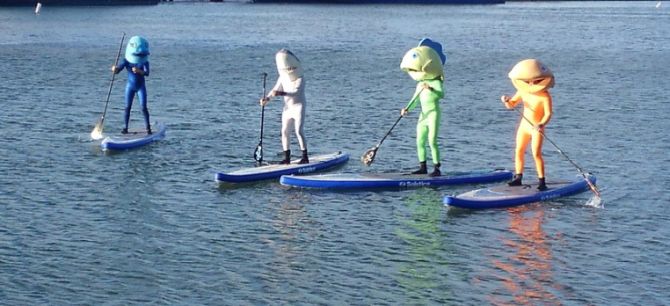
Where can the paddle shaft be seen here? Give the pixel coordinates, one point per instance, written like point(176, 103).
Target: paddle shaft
point(258, 153)
point(369, 155)
point(265, 75)
point(581, 171)
point(396, 122)
point(111, 84)
point(388, 133)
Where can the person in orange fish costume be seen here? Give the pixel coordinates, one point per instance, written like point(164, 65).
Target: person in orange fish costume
point(532, 80)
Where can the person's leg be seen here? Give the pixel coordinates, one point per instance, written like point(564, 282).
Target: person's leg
point(536, 146)
point(142, 94)
point(285, 140)
point(130, 96)
point(300, 132)
point(433, 130)
point(421, 135)
point(522, 140)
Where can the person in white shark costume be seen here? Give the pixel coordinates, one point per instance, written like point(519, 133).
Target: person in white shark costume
point(290, 85)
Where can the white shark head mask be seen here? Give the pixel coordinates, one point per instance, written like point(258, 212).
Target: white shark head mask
point(288, 65)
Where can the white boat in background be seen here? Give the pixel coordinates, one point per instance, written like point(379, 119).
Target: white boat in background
point(658, 5)
point(38, 7)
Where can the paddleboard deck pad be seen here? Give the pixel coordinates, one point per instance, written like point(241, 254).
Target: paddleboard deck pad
point(508, 196)
point(316, 163)
point(393, 180)
point(134, 139)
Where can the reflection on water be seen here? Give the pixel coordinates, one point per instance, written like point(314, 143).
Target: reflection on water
point(419, 275)
point(290, 225)
point(526, 274)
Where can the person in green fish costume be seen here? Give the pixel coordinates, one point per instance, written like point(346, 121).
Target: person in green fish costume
point(425, 65)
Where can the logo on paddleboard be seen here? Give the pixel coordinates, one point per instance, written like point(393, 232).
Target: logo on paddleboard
point(413, 184)
point(549, 197)
point(307, 170)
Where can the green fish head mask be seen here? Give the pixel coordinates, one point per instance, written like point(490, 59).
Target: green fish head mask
point(422, 63)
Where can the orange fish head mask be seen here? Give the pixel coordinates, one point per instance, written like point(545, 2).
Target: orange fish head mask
point(531, 76)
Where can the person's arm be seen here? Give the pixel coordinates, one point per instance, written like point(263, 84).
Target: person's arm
point(548, 111)
point(119, 66)
point(142, 70)
point(298, 86)
point(412, 103)
point(145, 69)
point(436, 87)
point(277, 90)
point(511, 102)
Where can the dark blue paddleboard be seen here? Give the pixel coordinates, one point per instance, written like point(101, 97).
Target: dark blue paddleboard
point(392, 180)
point(133, 139)
point(316, 163)
point(507, 196)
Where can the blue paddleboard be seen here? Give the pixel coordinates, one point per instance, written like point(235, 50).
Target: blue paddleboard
point(133, 139)
point(508, 196)
point(316, 163)
point(392, 180)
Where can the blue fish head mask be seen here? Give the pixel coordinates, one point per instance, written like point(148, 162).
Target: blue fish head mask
point(137, 50)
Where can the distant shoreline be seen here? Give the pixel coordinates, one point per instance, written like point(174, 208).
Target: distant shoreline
point(77, 2)
point(344, 2)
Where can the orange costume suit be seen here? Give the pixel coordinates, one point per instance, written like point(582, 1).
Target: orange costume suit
point(532, 81)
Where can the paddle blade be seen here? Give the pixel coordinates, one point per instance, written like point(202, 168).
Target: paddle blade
point(258, 153)
point(96, 134)
point(594, 189)
point(369, 156)
point(595, 201)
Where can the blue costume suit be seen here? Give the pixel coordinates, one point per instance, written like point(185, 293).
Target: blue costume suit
point(135, 85)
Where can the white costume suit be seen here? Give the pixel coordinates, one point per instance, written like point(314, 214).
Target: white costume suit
point(292, 84)
point(294, 109)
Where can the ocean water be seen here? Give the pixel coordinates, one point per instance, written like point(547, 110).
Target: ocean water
point(150, 226)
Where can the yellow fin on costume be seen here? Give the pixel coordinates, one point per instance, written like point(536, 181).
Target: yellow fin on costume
point(422, 63)
point(531, 76)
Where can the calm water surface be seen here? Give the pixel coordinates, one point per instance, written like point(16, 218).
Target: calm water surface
point(150, 226)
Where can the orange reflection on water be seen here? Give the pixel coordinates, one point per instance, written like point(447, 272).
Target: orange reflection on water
point(527, 271)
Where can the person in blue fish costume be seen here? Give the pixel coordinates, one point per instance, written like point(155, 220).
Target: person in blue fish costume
point(136, 61)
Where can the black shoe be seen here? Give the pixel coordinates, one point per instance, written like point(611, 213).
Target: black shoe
point(436, 171)
point(542, 186)
point(287, 158)
point(422, 168)
point(304, 159)
point(516, 181)
point(149, 131)
point(124, 131)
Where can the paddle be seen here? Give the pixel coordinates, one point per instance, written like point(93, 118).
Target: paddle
point(97, 130)
point(258, 153)
point(369, 155)
point(591, 186)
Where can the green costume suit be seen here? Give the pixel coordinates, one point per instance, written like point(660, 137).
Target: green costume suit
point(429, 120)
